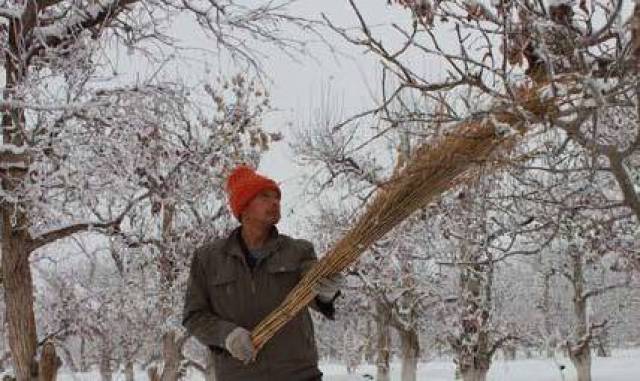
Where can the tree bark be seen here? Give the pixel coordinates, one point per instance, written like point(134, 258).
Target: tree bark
point(171, 346)
point(17, 280)
point(172, 356)
point(383, 317)
point(635, 28)
point(473, 350)
point(472, 374)
point(106, 371)
point(129, 372)
point(410, 354)
point(18, 296)
point(580, 352)
point(582, 361)
point(550, 341)
point(369, 348)
point(49, 363)
point(84, 365)
point(152, 373)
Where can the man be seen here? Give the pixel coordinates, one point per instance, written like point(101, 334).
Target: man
point(237, 281)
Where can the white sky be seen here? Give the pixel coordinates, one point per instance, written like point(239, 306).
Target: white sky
point(349, 77)
point(350, 80)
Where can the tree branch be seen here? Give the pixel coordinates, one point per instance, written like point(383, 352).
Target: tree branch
point(500, 342)
point(65, 30)
point(630, 197)
point(603, 290)
point(58, 234)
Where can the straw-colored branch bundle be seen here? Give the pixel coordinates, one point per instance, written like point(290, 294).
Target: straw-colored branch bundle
point(434, 169)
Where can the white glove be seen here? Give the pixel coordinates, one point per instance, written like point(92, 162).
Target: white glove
point(327, 287)
point(239, 344)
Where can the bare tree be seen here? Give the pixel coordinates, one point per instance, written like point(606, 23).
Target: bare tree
point(503, 58)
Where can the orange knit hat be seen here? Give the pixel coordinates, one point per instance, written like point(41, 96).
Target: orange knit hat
point(243, 185)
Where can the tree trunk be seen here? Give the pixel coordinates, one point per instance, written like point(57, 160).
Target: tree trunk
point(129, 373)
point(544, 307)
point(351, 350)
point(603, 346)
point(68, 358)
point(17, 281)
point(410, 354)
point(172, 356)
point(602, 351)
point(550, 352)
point(582, 362)
point(18, 296)
point(383, 317)
point(210, 372)
point(509, 352)
point(152, 373)
point(635, 22)
point(471, 374)
point(171, 349)
point(473, 349)
point(106, 371)
point(580, 351)
point(84, 366)
point(49, 363)
point(369, 351)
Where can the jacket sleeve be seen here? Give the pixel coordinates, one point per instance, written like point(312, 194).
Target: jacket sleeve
point(327, 309)
point(198, 317)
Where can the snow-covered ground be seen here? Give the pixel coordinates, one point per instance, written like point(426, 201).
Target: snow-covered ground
point(622, 366)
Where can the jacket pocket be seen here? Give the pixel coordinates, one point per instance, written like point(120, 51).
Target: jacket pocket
point(283, 268)
point(222, 279)
point(282, 277)
point(223, 292)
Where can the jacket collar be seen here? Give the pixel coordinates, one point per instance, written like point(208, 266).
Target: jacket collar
point(234, 248)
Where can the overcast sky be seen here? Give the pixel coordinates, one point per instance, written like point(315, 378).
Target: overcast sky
point(349, 78)
point(297, 87)
point(347, 75)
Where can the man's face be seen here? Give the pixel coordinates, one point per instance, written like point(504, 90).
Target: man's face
point(263, 209)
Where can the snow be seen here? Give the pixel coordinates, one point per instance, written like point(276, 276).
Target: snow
point(555, 3)
point(622, 366)
point(10, 13)
point(11, 148)
point(60, 29)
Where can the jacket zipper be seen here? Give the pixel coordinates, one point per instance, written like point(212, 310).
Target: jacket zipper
point(245, 250)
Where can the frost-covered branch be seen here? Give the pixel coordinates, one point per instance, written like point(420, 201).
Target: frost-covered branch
point(10, 13)
point(114, 225)
point(93, 16)
point(630, 196)
point(603, 290)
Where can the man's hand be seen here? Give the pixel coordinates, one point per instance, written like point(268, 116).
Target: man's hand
point(327, 287)
point(239, 344)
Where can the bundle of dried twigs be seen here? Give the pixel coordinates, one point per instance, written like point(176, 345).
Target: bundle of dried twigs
point(435, 168)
